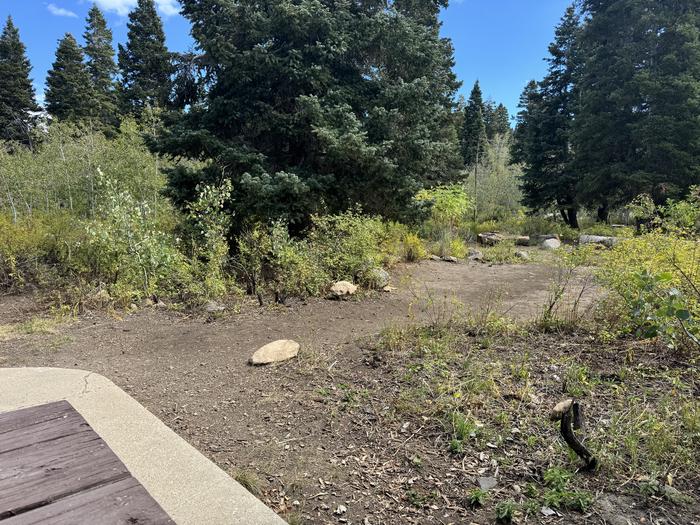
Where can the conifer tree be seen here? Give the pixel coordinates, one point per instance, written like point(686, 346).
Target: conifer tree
point(144, 62)
point(496, 120)
point(16, 90)
point(638, 124)
point(549, 178)
point(473, 133)
point(99, 55)
point(68, 87)
point(316, 106)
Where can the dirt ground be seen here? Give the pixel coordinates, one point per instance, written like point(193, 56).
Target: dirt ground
point(294, 433)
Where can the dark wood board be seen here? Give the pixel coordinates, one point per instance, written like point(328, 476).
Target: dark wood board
point(54, 469)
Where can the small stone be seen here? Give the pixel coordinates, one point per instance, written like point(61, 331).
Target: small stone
point(342, 509)
point(275, 352)
point(449, 258)
point(522, 255)
point(434, 258)
point(389, 289)
point(487, 483)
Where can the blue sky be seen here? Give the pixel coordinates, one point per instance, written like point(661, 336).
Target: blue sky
point(500, 42)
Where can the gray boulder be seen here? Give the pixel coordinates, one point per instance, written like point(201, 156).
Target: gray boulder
point(602, 240)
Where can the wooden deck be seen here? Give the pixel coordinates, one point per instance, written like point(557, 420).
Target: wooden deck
point(54, 469)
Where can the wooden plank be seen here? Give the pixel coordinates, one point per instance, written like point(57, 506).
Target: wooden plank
point(33, 415)
point(55, 469)
point(35, 475)
point(42, 430)
point(122, 502)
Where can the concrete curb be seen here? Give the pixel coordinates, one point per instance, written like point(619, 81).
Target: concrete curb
point(189, 487)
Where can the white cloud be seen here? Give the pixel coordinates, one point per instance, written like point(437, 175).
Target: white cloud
point(122, 7)
point(59, 11)
point(168, 7)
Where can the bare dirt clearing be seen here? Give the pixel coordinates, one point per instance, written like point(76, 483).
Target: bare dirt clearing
point(317, 436)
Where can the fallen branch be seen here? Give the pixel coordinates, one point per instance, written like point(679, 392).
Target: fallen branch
point(569, 413)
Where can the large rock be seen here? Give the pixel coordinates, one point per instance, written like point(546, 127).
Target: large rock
point(343, 289)
point(475, 255)
point(551, 244)
point(606, 241)
point(275, 352)
point(490, 238)
point(378, 277)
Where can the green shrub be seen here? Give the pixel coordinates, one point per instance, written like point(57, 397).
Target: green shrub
point(210, 246)
point(348, 245)
point(658, 278)
point(126, 248)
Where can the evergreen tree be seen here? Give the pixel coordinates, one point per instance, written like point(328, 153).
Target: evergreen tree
point(473, 133)
point(68, 86)
point(496, 120)
point(317, 105)
point(638, 124)
point(100, 64)
point(144, 62)
point(16, 90)
point(549, 178)
point(526, 134)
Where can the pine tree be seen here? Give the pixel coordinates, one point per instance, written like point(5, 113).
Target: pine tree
point(68, 87)
point(316, 106)
point(549, 179)
point(496, 120)
point(99, 55)
point(16, 90)
point(144, 62)
point(638, 124)
point(473, 133)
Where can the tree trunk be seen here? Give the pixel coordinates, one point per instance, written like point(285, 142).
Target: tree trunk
point(573, 218)
point(603, 213)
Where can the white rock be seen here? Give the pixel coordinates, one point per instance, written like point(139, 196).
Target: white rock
point(343, 289)
point(608, 242)
point(551, 244)
point(275, 352)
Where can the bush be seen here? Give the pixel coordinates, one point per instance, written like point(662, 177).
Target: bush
point(210, 224)
point(126, 248)
point(349, 245)
point(658, 278)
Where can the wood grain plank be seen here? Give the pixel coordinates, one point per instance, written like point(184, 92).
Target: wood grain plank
point(32, 415)
point(55, 469)
point(35, 475)
point(42, 430)
point(122, 502)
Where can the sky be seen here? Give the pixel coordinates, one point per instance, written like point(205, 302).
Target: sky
point(501, 43)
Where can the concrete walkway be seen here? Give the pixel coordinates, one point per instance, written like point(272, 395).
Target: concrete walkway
point(189, 487)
